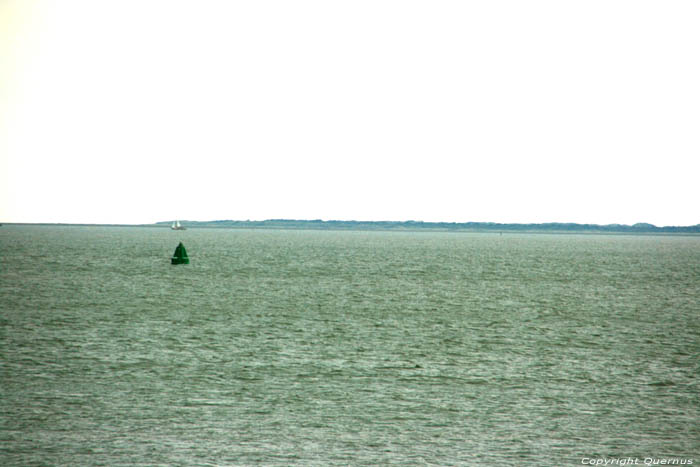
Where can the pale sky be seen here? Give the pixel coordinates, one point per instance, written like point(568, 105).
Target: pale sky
point(137, 111)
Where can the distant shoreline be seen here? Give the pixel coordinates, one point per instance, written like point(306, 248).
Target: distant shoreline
point(409, 226)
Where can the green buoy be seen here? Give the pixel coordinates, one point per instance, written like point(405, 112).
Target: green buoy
point(180, 255)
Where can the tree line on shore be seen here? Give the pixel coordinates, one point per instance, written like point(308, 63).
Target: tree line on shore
point(318, 224)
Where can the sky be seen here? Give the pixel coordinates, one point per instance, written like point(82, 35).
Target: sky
point(138, 111)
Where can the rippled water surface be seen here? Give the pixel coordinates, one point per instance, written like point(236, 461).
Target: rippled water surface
point(346, 348)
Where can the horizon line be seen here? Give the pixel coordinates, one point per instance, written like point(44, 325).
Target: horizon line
point(384, 221)
point(319, 220)
point(282, 219)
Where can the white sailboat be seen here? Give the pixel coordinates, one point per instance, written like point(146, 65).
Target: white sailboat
point(176, 226)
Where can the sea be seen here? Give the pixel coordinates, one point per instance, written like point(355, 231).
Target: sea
point(367, 348)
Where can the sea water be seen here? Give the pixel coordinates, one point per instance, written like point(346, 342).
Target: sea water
point(346, 348)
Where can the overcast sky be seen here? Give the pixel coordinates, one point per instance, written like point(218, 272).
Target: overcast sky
point(503, 111)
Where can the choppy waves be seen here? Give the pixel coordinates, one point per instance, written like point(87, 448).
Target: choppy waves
point(346, 348)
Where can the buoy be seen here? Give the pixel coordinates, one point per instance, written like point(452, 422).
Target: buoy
point(180, 255)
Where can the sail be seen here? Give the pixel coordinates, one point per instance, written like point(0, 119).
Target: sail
point(180, 255)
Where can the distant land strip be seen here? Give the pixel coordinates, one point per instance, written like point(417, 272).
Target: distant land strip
point(318, 224)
